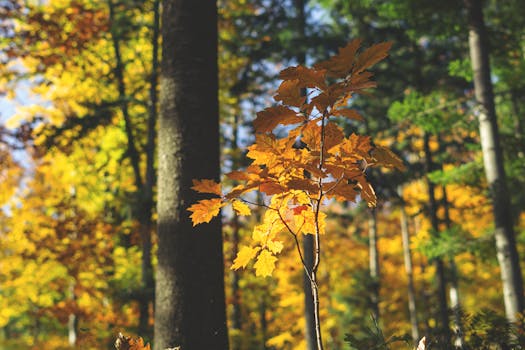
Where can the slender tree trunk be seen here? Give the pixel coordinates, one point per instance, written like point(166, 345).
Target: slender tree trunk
point(493, 161)
point(454, 285)
point(189, 304)
point(373, 263)
point(444, 330)
point(405, 234)
point(144, 210)
point(308, 240)
point(518, 122)
point(235, 274)
point(72, 322)
point(145, 217)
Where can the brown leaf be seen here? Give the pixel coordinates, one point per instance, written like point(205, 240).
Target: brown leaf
point(289, 92)
point(371, 56)
point(307, 77)
point(269, 118)
point(348, 113)
point(384, 156)
point(340, 65)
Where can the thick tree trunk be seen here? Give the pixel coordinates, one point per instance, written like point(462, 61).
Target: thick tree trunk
point(493, 161)
point(373, 264)
point(405, 234)
point(189, 304)
point(444, 330)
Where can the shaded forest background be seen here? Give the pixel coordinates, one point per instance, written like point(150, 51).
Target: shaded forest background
point(78, 143)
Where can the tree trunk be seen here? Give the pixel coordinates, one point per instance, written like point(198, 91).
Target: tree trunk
point(189, 304)
point(454, 285)
point(493, 161)
point(373, 264)
point(144, 195)
point(308, 240)
point(444, 331)
point(412, 307)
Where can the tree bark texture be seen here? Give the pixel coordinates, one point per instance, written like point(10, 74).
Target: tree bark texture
point(507, 253)
point(189, 304)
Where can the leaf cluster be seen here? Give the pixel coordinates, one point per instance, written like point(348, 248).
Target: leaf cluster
point(312, 162)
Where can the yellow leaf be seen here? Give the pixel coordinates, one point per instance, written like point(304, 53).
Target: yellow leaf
point(207, 186)
point(241, 208)
point(274, 246)
point(205, 210)
point(244, 256)
point(265, 264)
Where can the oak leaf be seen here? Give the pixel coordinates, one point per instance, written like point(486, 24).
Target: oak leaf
point(371, 56)
point(307, 77)
point(348, 113)
point(269, 118)
point(207, 186)
point(384, 156)
point(205, 210)
point(340, 65)
point(289, 93)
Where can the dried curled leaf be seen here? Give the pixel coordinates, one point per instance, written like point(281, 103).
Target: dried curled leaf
point(128, 343)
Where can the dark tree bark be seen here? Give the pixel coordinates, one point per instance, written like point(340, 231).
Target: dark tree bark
point(507, 253)
point(444, 330)
point(189, 291)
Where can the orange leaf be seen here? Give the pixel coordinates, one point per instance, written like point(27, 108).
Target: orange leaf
point(348, 113)
point(340, 65)
point(333, 135)
point(387, 158)
point(307, 77)
point(270, 188)
point(371, 56)
point(207, 186)
point(289, 92)
point(269, 118)
point(205, 210)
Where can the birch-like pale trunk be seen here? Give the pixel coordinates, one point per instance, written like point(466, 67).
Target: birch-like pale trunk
point(405, 234)
point(373, 255)
point(507, 252)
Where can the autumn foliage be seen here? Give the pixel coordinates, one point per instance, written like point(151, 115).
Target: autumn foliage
point(301, 157)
